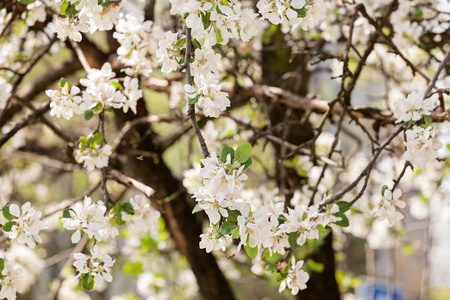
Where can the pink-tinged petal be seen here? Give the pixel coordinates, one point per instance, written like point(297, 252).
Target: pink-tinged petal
point(76, 236)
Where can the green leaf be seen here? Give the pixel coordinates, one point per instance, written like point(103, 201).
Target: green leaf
point(272, 267)
point(302, 173)
point(98, 137)
point(64, 6)
point(219, 38)
point(344, 222)
point(281, 276)
point(63, 82)
point(383, 189)
point(66, 214)
point(132, 268)
point(88, 114)
point(226, 228)
point(206, 20)
point(8, 226)
point(251, 252)
point(293, 236)
point(193, 100)
point(343, 206)
point(224, 153)
point(301, 12)
point(128, 208)
point(428, 120)
point(117, 85)
point(88, 281)
point(71, 11)
point(180, 42)
point(90, 141)
point(5, 211)
point(197, 208)
point(2, 265)
point(248, 163)
point(232, 215)
point(242, 153)
point(196, 44)
point(417, 13)
point(235, 233)
point(281, 219)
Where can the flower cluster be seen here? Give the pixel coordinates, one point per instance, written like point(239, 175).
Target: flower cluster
point(102, 92)
point(292, 13)
point(10, 280)
point(216, 22)
point(144, 218)
point(138, 41)
point(23, 224)
point(84, 16)
point(267, 227)
point(421, 145)
point(207, 93)
point(93, 266)
point(386, 207)
point(296, 278)
point(86, 217)
point(414, 107)
point(221, 185)
point(65, 101)
point(93, 158)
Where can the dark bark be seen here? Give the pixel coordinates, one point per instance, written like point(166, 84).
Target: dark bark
point(175, 205)
point(322, 286)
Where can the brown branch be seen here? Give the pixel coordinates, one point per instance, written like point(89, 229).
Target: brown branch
point(191, 108)
point(30, 119)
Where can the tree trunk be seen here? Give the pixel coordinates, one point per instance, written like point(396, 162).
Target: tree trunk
point(322, 286)
point(175, 205)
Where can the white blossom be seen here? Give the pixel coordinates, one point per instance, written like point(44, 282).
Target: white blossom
point(296, 278)
point(414, 107)
point(210, 97)
point(27, 224)
point(86, 217)
point(421, 145)
point(10, 281)
point(96, 264)
point(94, 158)
point(386, 207)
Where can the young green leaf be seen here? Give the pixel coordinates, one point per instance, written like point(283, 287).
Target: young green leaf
point(226, 228)
point(235, 233)
point(7, 226)
point(66, 214)
point(251, 252)
point(98, 137)
point(180, 42)
point(197, 208)
point(242, 153)
point(88, 114)
point(87, 281)
point(293, 236)
point(128, 208)
point(2, 265)
point(117, 85)
point(343, 206)
point(248, 163)
point(5, 211)
point(344, 222)
point(224, 153)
